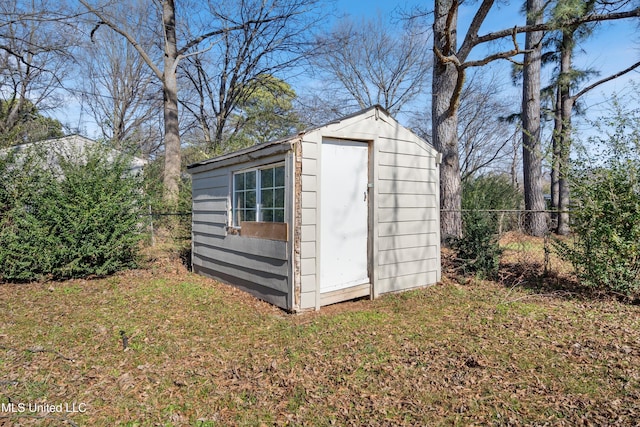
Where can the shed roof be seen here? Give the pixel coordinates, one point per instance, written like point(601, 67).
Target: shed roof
point(273, 147)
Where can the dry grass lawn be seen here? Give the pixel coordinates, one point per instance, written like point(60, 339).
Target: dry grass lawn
point(524, 350)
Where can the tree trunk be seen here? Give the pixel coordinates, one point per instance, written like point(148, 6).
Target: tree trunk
point(564, 142)
point(535, 220)
point(171, 126)
point(555, 156)
point(445, 118)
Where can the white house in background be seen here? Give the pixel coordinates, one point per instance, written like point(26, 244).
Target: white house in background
point(70, 146)
point(345, 210)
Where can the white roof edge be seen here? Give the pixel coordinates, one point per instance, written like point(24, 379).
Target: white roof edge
point(64, 139)
point(227, 158)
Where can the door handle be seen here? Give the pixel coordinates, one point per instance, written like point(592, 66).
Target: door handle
point(365, 195)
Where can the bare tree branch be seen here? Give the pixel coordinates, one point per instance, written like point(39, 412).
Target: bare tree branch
point(604, 80)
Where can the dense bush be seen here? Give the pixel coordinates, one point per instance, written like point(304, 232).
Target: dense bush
point(75, 216)
point(478, 250)
point(605, 218)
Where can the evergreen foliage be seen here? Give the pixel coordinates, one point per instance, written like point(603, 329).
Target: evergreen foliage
point(267, 113)
point(605, 251)
point(26, 124)
point(478, 250)
point(77, 216)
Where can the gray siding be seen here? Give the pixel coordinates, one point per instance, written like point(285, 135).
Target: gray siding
point(404, 234)
point(408, 237)
point(258, 266)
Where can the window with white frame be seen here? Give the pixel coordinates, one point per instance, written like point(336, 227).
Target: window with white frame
point(258, 195)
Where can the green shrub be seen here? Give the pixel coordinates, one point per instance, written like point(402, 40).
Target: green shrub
point(605, 251)
point(478, 250)
point(78, 216)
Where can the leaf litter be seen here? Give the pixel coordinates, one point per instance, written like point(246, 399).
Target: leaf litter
point(202, 353)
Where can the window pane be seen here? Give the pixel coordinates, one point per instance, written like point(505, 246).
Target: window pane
point(279, 198)
point(250, 180)
point(266, 176)
point(279, 179)
point(278, 215)
point(239, 199)
point(267, 198)
point(250, 199)
point(267, 215)
point(239, 181)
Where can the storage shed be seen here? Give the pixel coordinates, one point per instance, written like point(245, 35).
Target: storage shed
point(345, 210)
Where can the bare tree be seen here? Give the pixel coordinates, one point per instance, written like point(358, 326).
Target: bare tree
point(34, 55)
point(220, 79)
point(185, 34)
point(535, 223)
point(369, 62)
point(486, 140)
point(487, 135)
point(451, 62)
point(120, 89)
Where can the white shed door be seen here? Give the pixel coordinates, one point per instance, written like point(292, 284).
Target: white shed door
point(343, 215)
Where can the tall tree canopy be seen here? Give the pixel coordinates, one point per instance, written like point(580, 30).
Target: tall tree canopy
point(367, 62)
point(183, 30)
point(451, 62)
point(35, 57)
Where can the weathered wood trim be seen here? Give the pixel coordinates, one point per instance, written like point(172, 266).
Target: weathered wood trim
point(265, 230)
point(346, 294)
point(318, 206)
point(293, 168)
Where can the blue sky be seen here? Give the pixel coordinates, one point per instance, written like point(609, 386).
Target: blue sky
point(614, 46)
